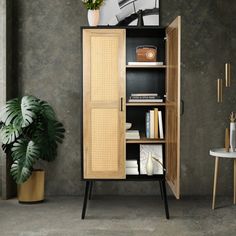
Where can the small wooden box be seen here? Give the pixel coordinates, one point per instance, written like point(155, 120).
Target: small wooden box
point(146, 53)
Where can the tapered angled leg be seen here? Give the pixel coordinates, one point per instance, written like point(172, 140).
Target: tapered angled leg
point(163, 182)
point(215, 181)
point(234, 181)
point(90, 190)
point(161, 190)
point(85, 199)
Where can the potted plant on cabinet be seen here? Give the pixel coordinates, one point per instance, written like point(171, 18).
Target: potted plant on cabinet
point(29, 131)
point(93, 11)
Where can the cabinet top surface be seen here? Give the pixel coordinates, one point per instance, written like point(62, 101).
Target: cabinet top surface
point(124, 27)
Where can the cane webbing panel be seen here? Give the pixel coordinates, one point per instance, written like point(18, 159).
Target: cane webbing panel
point(104, 148)
point(103, 88)
point(104, 68)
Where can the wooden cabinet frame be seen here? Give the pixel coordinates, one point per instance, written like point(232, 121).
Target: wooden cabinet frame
point(172, 104)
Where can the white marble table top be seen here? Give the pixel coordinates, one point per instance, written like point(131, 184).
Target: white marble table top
point(220, 152)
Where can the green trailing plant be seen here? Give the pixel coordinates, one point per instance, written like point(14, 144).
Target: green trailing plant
point(92, 4)
point(29, 131)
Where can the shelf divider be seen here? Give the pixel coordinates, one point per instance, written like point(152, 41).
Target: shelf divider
point(147, 66)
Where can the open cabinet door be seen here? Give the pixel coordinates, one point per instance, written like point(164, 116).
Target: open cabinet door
point(173, 33)
point(104, 103)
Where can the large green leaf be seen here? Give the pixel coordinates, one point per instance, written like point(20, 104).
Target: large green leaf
point(47, 135)
point(24, 153)
point(20, 113)
point(47, 111)
point(10, 133)
point(19, 172)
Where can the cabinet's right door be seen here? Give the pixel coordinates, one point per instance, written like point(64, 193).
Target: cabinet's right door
point(173, 34)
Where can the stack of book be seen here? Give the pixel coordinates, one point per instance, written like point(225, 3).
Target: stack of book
point(132, 134)
point(154, 124)
point(132, 167)
point(145, 97)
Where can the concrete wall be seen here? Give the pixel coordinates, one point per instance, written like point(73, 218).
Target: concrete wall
point(2, 69)
point(48, 65)
point(8, 90)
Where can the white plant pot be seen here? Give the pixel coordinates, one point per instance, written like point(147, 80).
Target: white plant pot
point(232, 136)
point(93, 17)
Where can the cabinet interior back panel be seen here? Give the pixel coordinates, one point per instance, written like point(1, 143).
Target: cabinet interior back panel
point(145, 81)
point(147, 37)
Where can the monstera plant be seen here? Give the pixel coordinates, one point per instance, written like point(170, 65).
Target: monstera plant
point(29, 131)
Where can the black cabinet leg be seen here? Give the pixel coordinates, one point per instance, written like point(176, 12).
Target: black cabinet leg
point(165, 198)
point(90, 190)
point(161, 189)
point(85, 199)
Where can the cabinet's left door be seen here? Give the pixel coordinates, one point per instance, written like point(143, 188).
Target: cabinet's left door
point(104, 103)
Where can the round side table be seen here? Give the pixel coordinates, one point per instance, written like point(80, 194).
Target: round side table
point(221, 153)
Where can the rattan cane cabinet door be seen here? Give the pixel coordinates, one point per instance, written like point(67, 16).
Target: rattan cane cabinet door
point(173, 107)
point(103, 103)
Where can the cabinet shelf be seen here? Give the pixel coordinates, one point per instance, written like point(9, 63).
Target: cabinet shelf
point(136, 104)
point(147, 66)
point(145, 140)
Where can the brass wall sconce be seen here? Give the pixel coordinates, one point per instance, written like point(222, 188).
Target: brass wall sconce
point(227, 74)
point(227, 82)
point(219, 90)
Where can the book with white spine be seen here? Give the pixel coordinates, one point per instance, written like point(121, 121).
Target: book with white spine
point(160, 124)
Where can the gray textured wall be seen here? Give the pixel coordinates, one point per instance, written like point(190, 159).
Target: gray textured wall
point(48, 65)
point(8, 89)
point(2, 69)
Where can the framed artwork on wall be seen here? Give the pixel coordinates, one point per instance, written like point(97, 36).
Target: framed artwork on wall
point(125, 12)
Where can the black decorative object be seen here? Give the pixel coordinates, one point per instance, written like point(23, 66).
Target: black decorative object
point(148, 12)
point(140, 19)
point(127, 12)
